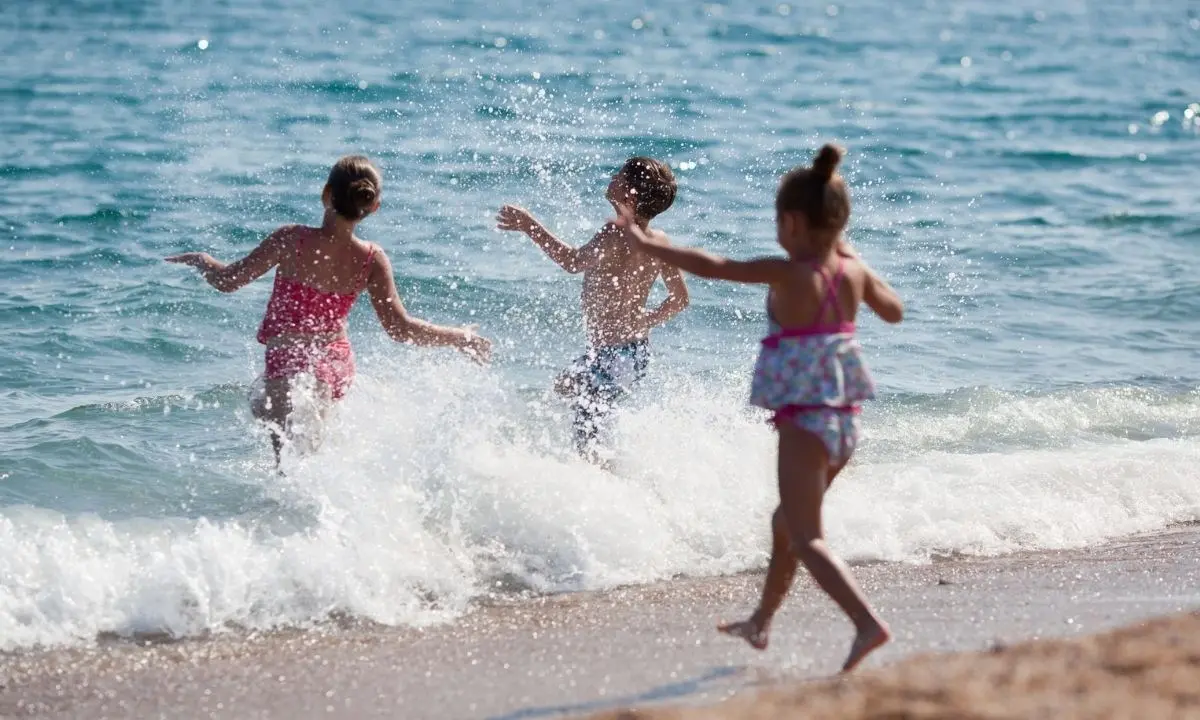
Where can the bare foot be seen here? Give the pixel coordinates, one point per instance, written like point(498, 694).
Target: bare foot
point(747, 630)
point(865, 642)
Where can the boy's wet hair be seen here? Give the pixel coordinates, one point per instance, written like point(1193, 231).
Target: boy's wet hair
point(818, 192)
point(354, 185)
point(654, 184)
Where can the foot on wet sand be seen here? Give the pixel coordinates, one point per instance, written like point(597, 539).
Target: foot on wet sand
point(867, 640)
point(747, 630)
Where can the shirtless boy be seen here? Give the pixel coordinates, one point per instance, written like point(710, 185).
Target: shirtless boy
point(617, 279)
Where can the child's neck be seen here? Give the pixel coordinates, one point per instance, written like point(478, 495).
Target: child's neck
point(816, 249)
point(336, 227)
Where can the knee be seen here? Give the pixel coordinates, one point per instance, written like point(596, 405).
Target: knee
point(260, 407)
point(779, 522)
point(271, 408)
point(807, 548)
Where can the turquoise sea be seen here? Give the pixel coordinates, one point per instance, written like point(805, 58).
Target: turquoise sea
point(1024, 173)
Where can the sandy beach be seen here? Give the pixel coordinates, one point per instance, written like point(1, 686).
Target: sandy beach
point(1147, 670)
point(640, 647)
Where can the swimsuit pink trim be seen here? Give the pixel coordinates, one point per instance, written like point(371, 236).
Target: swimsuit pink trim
point(845, 328)
point(788, 412)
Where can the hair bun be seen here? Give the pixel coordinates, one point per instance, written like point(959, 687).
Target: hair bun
point(363, 191)
point(826, 162)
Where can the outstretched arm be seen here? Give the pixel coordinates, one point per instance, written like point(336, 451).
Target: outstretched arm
point(877, 294)
point(405, 328)
point(677, 298)
point(573, 260)
point(228, 278)
point(699, 262)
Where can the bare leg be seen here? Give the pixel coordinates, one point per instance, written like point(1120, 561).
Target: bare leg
point(324, 405)
point(781, 571)
point(274, 408)
point(803, 478)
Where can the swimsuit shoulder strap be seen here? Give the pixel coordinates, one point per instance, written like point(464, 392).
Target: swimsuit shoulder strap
point(366, 269)
point(831, 289)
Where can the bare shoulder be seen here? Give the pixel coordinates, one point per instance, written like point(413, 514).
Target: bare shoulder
point(610, 231)
point(285, 236)
point(659, 236)
point(292, 231)
point(377, 257)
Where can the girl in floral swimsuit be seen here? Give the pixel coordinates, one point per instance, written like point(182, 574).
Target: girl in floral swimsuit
point(811, 374)
point(320, 272)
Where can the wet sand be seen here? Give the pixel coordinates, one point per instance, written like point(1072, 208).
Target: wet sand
point(590, 652)
point(1148, 670)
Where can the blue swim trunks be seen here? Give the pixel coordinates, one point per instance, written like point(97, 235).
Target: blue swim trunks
point(598, 380)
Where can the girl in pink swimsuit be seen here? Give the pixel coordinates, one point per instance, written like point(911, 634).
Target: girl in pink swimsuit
point(810, 373)
point(319, 273)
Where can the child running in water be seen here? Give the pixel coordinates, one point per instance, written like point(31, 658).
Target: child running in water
point(617, 279)
point(811, 373)
point(319, 273)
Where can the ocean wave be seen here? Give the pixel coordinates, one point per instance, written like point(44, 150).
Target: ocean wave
point(437, 482)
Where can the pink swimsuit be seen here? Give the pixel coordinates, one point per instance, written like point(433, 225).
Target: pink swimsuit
point(814, 376)
point(296, 309)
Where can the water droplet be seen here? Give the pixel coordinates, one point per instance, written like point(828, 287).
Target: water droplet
point(203, 44)
point(68, 55)
point(362, 84)
point(1133, 128)
point(965, 61)
point(1006, 56)
point(945, 35)
point(599, 34)
point(1039, 15)
point(637, 23)
point(500, 42)
point(784, 9)
point(1142, 157)
point(1195, 23)
point(831, 11)
point(537, 75)
point(1160, 118)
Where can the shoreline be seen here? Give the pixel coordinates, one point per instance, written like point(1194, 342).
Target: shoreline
point(581, 653)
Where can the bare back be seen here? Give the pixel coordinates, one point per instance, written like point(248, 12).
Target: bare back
point(615, 290)
point(797, 300)
point(325, 264)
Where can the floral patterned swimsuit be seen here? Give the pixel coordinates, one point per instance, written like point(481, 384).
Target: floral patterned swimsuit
point(814, 376)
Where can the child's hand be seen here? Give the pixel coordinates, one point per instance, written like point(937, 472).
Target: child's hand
point(512, 217)
point(197, 260)
point(626, 219)
point(476, 347)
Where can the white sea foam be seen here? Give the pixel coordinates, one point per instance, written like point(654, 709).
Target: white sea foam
point(437, 483)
